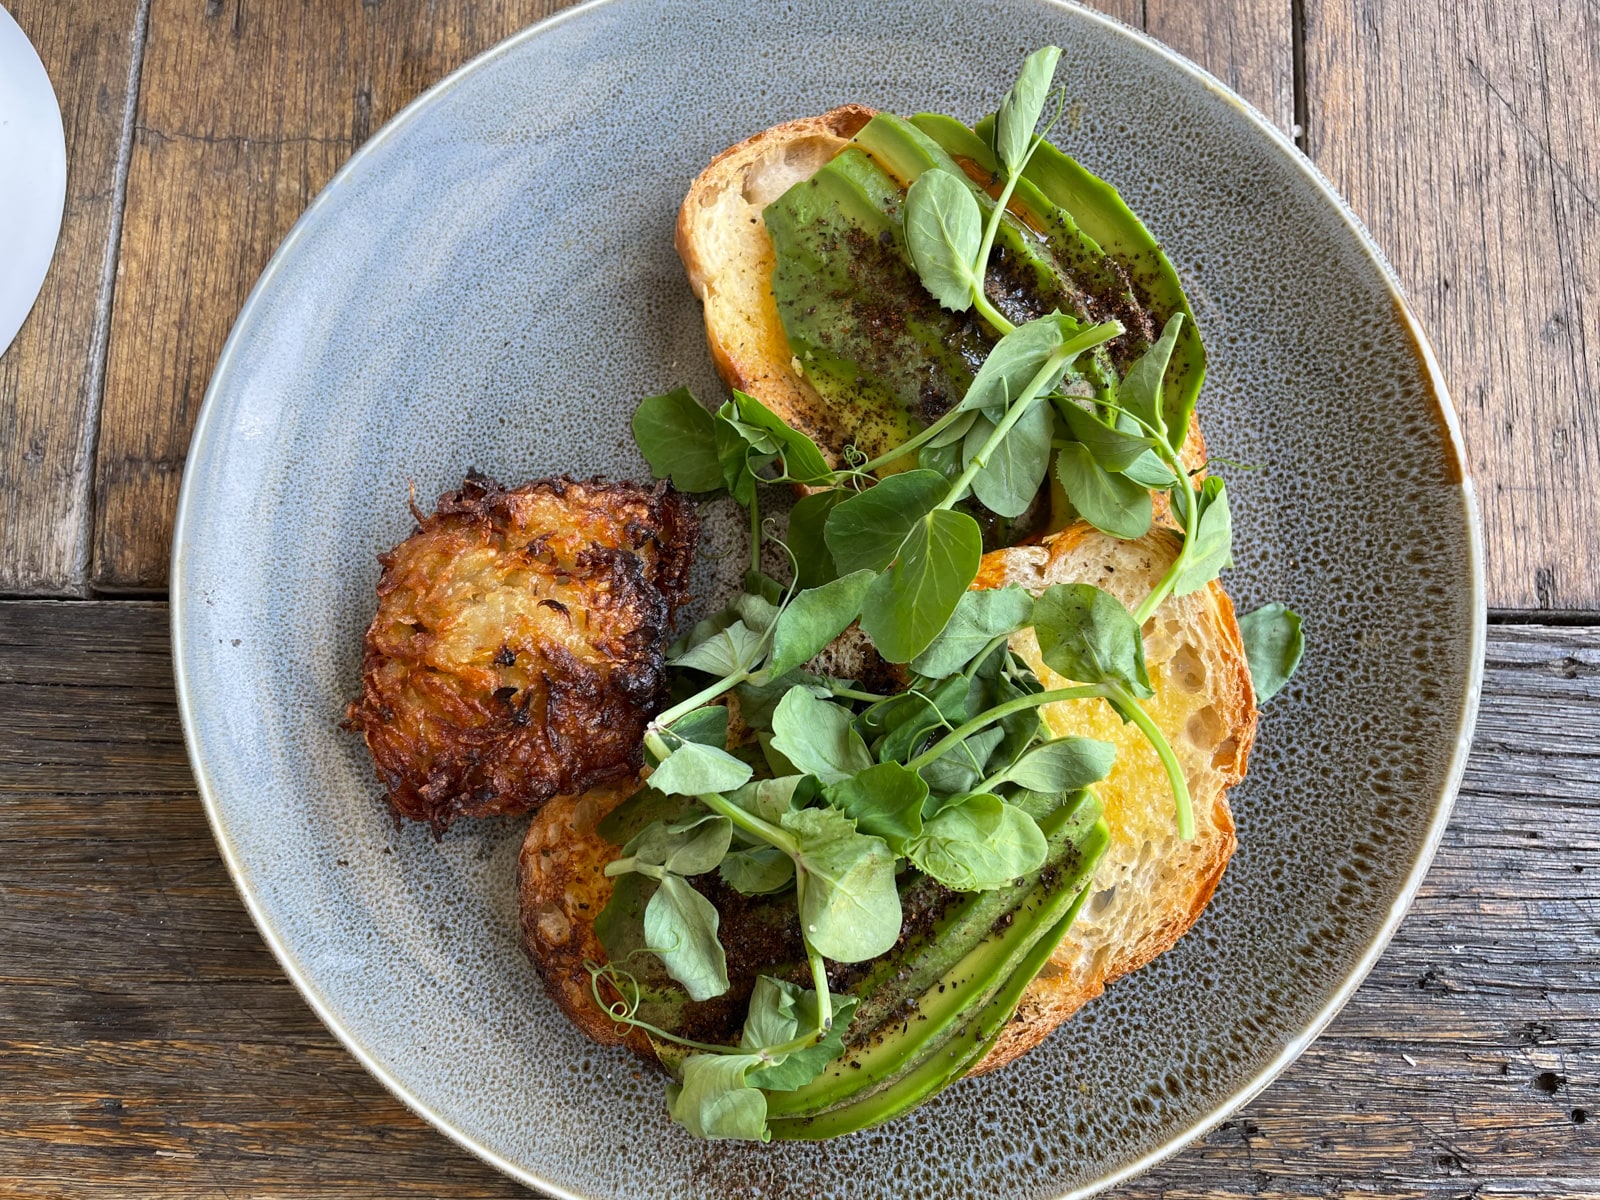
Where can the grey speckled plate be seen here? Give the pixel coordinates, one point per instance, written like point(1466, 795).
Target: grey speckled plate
point(490, 282)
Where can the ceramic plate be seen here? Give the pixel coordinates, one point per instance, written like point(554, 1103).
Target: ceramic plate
point(491, 283)
point(33, 181)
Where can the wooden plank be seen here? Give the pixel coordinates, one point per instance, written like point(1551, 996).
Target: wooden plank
point(1248, 44)
point(1129, 12)
point(150, 1046)
point(1463, 134)
point(246, 111)
point(50, 377)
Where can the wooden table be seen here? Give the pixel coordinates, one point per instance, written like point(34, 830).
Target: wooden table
point(148, 1043)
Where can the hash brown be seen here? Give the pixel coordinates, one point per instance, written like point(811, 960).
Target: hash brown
point(519, 645)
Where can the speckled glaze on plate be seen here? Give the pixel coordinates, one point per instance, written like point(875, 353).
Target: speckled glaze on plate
point(490, 282)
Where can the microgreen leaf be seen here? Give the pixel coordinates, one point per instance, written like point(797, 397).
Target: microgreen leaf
point(1013, 362)
point(1113, 449)
point(1020, 110)
point(1210, 547)
point(1273, 644)
point(734, 453)
point(768, 799)
point(765, 586)
point(800, 1067)
point(802, 461)
point(864, 533)
point(759, 871)
point(757, 700)
point(681, 926)
point(850, 910)
point(908, 606)
point(1113, 504)
point(960, 770)
point(708, 726)
point(1140, 390)
point(726, 652)
point(980, 616)
point(953, 432)
point(703, 845)
point(693, 770)
point(678, 438)
point(770, 1020)
point(945, 459)
point(756, 611)
point(702, 630)
point(1149, 471)
point(807, 519)
point(715, 1101)
point(1088, 636)
point(794, 1009)
point(818, 737)
point(1023, 728)
point(1010, 480)
point(906, 724)
point(1065, 765)
point(775, 757)
point(944, 229)
point(814, 618)
point(951, 697)
point(885, 800)
point(659, 841)
point(978, 844)
point(759, 441)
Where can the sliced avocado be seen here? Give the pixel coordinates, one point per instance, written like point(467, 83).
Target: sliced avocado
point(874, 344)
point(940, 1063)
point(902, 976)
point(946, 1005)
point(1025, 279)
point(876, 347)
point(1101, 214)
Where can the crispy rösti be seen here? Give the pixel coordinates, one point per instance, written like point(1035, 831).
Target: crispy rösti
point(519, 644)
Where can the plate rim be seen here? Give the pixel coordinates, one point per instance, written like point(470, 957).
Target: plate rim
point(1443, 805)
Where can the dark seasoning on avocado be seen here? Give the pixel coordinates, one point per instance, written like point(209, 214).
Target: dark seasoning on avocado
point(829, 915)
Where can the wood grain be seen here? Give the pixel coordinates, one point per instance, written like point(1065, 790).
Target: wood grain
point(50, 377)
point(149, 1044)
point(1463, 133)
point(245, 112)
point(1248, 45)
point(1129, 12)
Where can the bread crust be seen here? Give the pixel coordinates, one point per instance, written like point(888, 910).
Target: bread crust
point(561, 888)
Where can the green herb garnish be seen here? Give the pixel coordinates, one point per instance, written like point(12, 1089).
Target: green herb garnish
point(955, 782)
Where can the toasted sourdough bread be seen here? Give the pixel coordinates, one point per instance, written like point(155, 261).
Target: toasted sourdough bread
point(1149, 887)
point(723, 242)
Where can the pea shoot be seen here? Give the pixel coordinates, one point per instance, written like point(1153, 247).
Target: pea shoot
point(827, 795)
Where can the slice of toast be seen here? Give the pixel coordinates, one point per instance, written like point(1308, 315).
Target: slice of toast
point(723, 242)
point(1149, 887)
